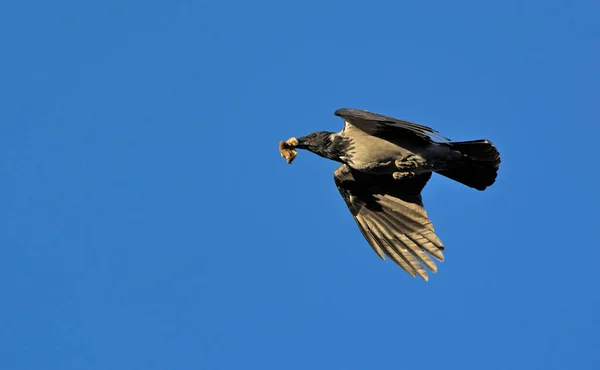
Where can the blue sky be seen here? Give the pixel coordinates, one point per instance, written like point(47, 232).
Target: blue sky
point(148, 221)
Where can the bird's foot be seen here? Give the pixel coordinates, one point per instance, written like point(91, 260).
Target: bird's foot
point(403, 175)
point(408, 163)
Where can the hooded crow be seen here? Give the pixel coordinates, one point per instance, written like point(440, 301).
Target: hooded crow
point(386, 163)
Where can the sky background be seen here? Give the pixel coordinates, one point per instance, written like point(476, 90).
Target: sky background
point(147, 220)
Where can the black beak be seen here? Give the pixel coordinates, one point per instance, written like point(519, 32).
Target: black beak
point(303, 143)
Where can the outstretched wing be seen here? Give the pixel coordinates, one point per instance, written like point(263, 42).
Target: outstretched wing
point(383, 126)
point(390, 215)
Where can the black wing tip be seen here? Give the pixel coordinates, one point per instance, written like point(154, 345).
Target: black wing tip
point(346, 111)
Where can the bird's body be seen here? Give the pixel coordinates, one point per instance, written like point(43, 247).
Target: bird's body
point(386, 162)
point(371, 153)
point(376, 155)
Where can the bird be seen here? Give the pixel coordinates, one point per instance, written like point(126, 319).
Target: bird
point(385, 165)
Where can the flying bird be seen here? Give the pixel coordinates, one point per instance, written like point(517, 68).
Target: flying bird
point(386, 163)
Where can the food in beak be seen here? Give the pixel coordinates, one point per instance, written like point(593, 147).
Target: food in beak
point(286, 148)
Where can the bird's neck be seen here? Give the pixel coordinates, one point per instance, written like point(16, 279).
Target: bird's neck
point(335, 147)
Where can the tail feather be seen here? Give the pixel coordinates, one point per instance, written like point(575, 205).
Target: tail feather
point(479, 166)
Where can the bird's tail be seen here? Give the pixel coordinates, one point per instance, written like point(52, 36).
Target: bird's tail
point(479, 165)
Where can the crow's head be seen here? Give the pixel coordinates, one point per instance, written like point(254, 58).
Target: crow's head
point(317, 142)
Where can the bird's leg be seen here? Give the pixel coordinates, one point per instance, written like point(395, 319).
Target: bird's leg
point(412, 165)
point(409, 163)
point(408, 167)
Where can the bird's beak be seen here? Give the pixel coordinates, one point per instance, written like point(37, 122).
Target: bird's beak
point(302, 143)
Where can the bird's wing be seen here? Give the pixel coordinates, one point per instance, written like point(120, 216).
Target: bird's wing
point(390, 215)
point(379, 125)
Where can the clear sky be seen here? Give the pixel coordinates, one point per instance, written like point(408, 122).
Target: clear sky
point(147, 220)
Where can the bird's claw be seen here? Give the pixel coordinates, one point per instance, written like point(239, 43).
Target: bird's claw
point(410, 162)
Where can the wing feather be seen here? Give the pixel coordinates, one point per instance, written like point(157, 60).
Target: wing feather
point(391, 217)
point(414, 263)
point(432, 248)
point(399, 259)
point(364, 229)
point(384, 236)
point(397, 233)
point(372, 123)
point(418, 252)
